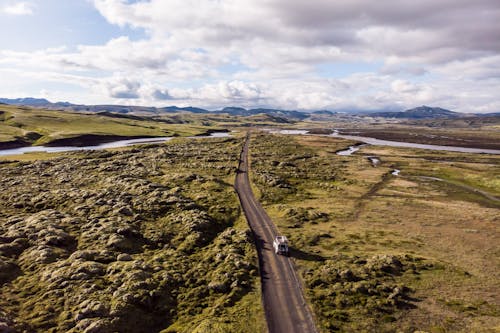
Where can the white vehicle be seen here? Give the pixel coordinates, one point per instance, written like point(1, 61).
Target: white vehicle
point(280, 245)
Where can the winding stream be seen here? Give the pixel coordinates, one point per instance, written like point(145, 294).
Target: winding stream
point(108, 145)
point(395, 172)
point(349, 151)
point(374, 160)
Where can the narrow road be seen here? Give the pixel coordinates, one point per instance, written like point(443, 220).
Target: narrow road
point(284, 304)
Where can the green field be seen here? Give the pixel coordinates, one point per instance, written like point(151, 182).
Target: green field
point(386, 253)
point(38, 127)
point(30, 126)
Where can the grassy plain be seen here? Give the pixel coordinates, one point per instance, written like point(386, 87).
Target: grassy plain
point(387, 253)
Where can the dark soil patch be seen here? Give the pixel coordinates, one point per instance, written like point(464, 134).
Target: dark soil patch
point(13, 144)
point(90, 140)
point(430, 138)
point(322, 131)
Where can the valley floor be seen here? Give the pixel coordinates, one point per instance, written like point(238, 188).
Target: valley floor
point(152, 238)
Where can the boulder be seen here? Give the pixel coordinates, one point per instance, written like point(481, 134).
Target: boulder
point(126, 211)
point(91, 309)
point(8, 270)
point(120, 243)
point(124, 257)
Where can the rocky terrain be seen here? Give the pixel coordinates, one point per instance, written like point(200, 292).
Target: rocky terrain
point(138, 240)
point(344, 288)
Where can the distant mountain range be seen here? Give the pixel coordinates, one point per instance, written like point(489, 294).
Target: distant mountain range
point(234, 111)
point(237, 111)
point(28, 101)
point(421, 112)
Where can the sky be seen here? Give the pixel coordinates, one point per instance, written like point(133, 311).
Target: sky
point(289, 54)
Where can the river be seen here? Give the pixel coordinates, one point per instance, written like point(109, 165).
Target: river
point(108, 145)
point(378, 142)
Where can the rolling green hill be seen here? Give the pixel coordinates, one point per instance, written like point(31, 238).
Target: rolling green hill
point(21, 126)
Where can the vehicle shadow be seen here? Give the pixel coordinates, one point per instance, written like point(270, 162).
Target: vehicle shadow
point(298, 254)
point(260, 246)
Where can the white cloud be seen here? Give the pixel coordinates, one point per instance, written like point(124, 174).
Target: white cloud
point(123, 88)
point(404, 87)
point(18, 8)
point(395, 27)
point(270, 53)
point(484, 68)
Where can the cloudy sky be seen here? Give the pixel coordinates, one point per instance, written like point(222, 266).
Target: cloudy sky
point(291, 54)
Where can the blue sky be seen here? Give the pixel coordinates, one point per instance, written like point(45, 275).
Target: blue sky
point(291, 54)
point(54, 23)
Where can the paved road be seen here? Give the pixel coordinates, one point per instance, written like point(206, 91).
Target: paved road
point(284, 305)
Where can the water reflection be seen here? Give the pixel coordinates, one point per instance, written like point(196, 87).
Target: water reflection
point(108, 145)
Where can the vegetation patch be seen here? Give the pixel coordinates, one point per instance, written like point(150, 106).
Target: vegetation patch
point(142, 239)
point(380, 252)
point(355, 293)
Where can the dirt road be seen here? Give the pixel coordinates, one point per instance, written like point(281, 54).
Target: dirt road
point(284, 305)
point(462, 186)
